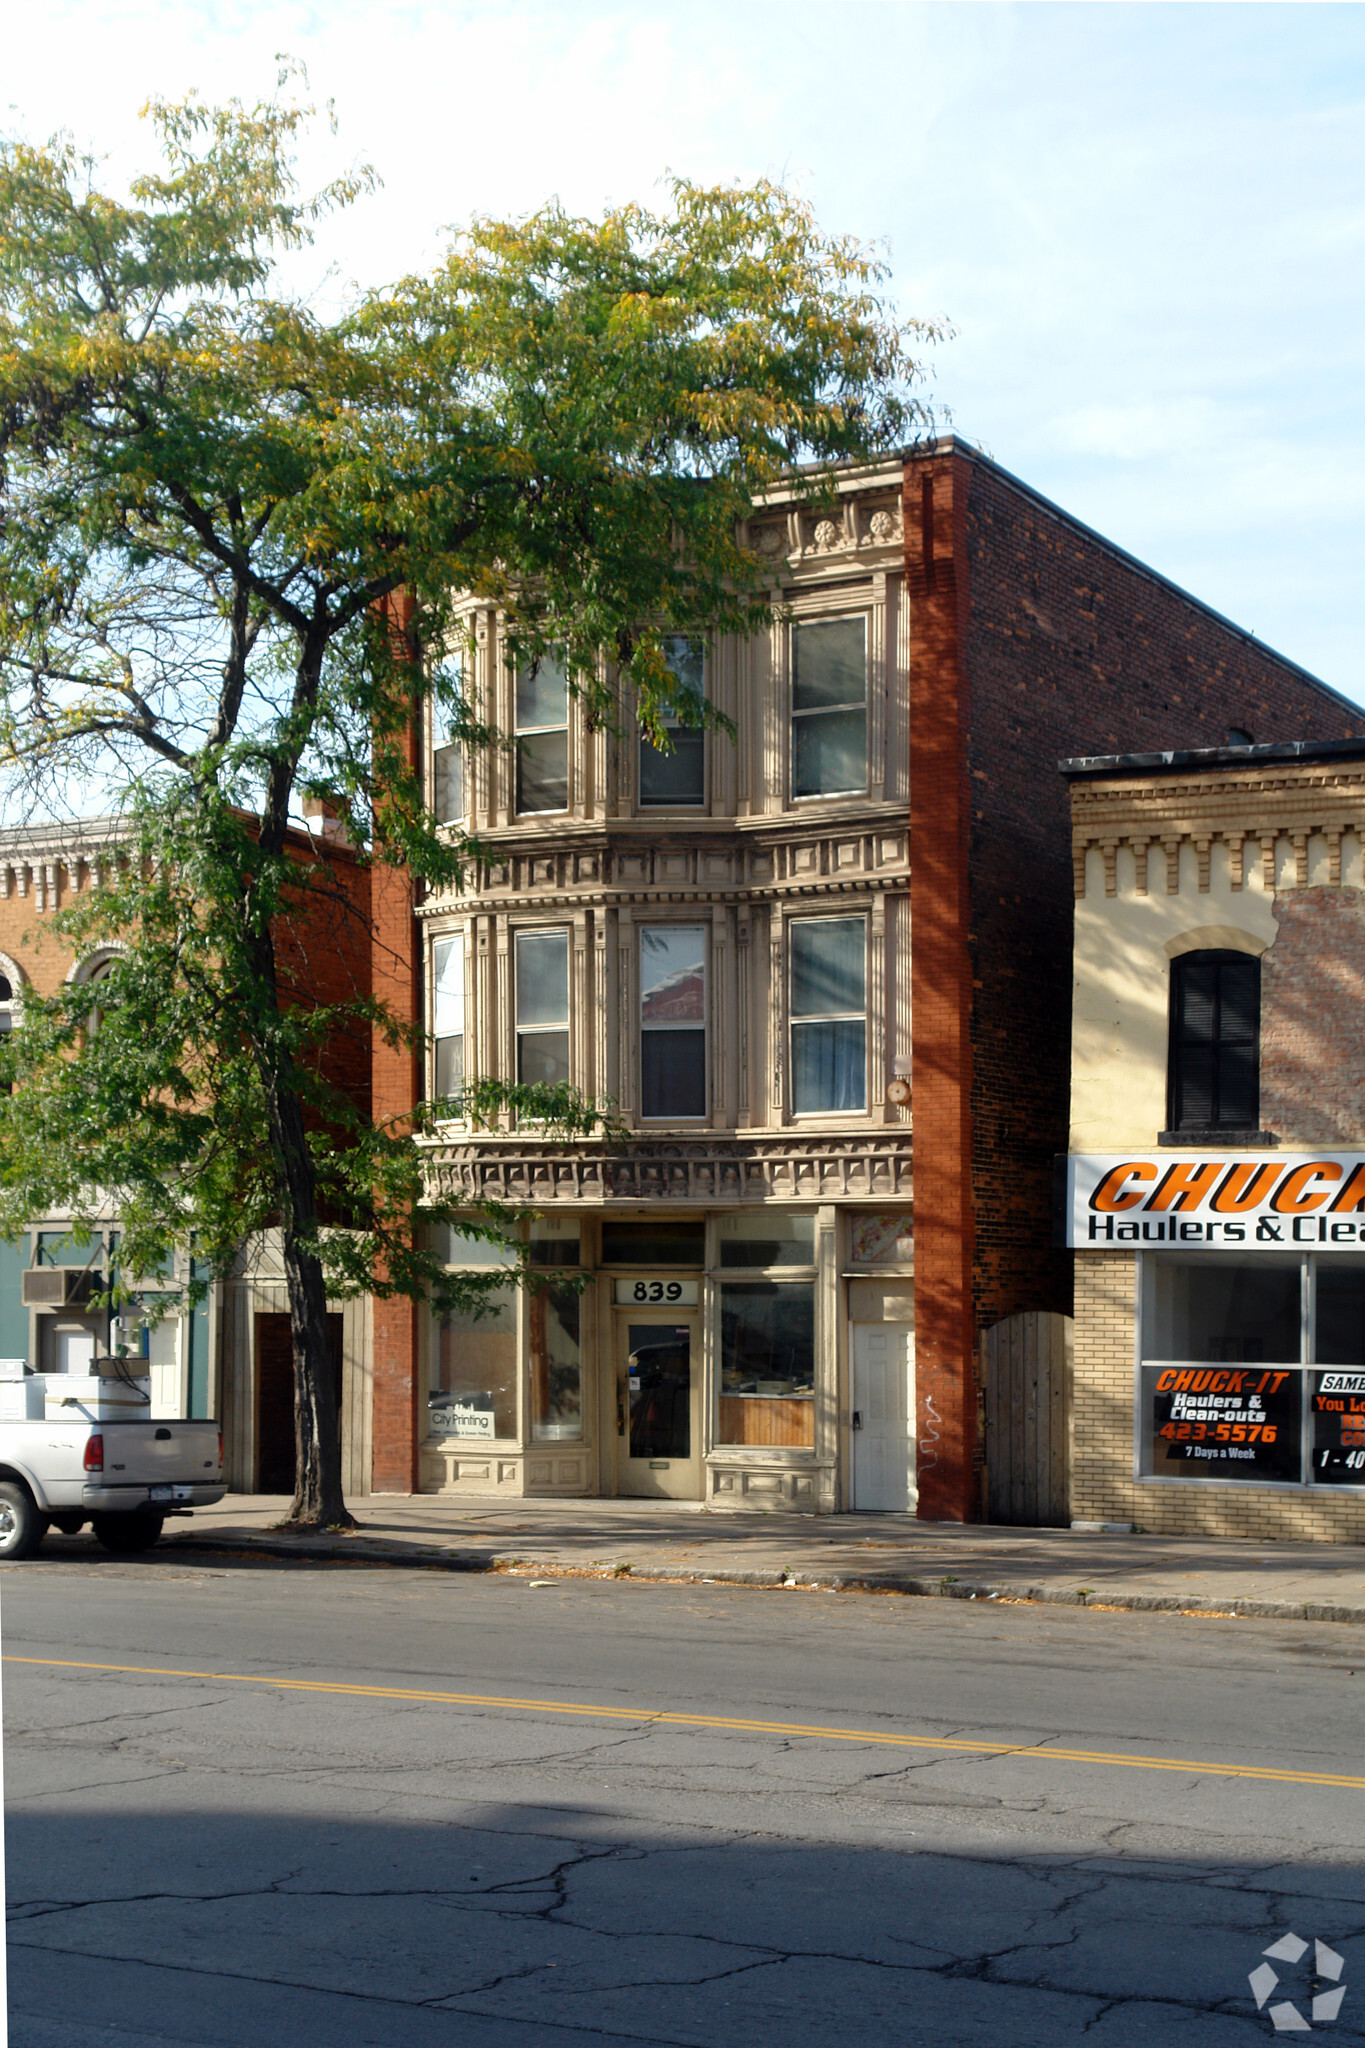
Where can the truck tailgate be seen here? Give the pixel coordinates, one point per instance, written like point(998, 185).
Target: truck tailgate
point(159, 1453)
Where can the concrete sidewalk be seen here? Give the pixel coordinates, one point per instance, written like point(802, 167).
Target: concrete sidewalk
point(669, 1540)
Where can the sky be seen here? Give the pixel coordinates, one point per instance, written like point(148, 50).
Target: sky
point(1146, 223)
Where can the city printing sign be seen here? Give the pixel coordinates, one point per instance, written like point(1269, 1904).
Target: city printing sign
point(1258, 1200)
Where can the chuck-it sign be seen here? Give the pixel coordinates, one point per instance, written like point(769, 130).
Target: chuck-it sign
point(1258, 1200)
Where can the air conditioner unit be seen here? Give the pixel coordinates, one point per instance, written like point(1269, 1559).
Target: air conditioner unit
point(59, 1286)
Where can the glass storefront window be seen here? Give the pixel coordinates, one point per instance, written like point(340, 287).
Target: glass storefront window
point(556, 1362)
point(554, 1241)
point(1256, 1372)
point(766, 1239)
point(655, 1243)
point(1245, 1313)
point(458, 1250)
point(474, 1388)
point(767, 1363)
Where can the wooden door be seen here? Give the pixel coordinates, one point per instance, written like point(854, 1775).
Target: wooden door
point(275, 1471)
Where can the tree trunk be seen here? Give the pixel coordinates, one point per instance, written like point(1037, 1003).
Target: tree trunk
point(318, 1500)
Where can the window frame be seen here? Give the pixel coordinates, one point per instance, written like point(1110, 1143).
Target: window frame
point(675, 925)
point(698, 805)
point(1178, 1047)
point(520, 1031)
point(795, 715)
point(521, 732)
point(458, 940)
point(794, 1023)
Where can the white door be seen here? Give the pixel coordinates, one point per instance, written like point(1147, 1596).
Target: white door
point(163, 1363)
point(884, 1416)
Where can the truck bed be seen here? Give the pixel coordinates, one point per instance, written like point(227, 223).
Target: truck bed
point(108, 1467)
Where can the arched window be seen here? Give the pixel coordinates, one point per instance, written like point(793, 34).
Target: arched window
point(89, 975)
point(11, 995)
point(1214, 1066)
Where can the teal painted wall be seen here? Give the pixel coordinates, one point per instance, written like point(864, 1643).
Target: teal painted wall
point(197, 1378)
point(13, 1314)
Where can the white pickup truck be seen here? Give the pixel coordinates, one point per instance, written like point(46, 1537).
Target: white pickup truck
point(69, 1462)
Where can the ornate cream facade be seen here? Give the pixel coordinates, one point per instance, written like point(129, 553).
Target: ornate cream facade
point(730, 876)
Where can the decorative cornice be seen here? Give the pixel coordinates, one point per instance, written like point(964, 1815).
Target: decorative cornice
point(1250, 811)
point(838, 861)
point(518, 1170)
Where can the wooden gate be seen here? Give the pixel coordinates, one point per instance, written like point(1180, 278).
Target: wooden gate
point(1026, 1380)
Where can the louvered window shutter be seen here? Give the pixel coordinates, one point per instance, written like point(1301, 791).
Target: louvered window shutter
point(1215, 1042)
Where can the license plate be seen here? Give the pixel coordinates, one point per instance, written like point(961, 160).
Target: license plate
point(169, 1492)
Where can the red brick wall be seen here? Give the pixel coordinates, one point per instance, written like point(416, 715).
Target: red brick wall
point(398, 1085)
point(1063, 647)
point(1313, 1020)
point(322, 953)
point(934, 515)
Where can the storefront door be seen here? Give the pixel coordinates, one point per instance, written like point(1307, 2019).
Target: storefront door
point(658, 1407)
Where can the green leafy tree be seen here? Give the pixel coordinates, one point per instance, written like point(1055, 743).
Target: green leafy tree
point(232, 536)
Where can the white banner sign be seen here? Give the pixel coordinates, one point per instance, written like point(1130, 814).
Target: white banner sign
point(1259, 1201)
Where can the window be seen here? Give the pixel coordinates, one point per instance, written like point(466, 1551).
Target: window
point(765, 1238)
point(447, 780)
point(1253, 1369)
point(448, 784)
point(673, 1020)
point(542, 1006)
point(829, 707)
point(475, 1394)
point(556, 1362)
point(92, 977)
point(767, 1362)
point(542, 727)
point(677, 780)
point(1215, 1032)
point(665, 1242)
point(6, 1021)
point(447, 1014)
point(473, 1391)
point(828, 1009)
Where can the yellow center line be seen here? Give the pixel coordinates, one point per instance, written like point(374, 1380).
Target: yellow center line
point(668, 1718)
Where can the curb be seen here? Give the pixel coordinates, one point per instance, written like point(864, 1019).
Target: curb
point(355, 1550)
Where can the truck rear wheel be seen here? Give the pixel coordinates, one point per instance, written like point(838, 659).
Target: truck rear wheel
point(127, 1532)
point(22, 1523)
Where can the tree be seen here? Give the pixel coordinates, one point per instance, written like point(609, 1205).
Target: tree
point(231, 537)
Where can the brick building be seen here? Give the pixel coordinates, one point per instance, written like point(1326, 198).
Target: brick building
point(1217, 1180)
point(953, 634)
point(231, 1356)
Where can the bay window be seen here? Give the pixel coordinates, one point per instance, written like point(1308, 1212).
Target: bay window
point(542, 1006)
point(828, 1014)
point(676, 780)
point(447, 1014)
point(829, 707)
point(542, 733)
point(673, 1020)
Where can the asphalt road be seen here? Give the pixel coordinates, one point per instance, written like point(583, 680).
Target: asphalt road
point(379, 1807)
